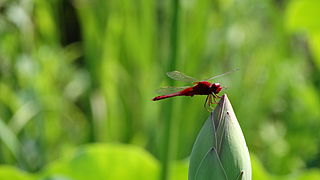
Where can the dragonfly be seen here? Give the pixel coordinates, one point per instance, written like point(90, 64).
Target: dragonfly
point(203, 87)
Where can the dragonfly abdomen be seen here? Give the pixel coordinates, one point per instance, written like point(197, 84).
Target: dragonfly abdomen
point(166, 96)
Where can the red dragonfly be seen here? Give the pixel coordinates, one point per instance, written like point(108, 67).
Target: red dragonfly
point(200, 88)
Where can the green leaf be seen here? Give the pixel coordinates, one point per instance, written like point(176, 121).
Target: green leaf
point(303, 16)
point(258, 171)
point(179, 170)
point(309, 174)
point(101, 161)
point(220, 150)
point(11, 173)
point(9, 139)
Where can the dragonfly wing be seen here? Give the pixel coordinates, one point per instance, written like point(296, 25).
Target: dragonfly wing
point(176, 75)
point(169, 89)
point(219, 75)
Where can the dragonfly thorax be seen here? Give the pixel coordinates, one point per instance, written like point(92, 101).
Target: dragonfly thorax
point(215, 88)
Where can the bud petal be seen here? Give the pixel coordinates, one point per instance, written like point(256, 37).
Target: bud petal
point(220, 150)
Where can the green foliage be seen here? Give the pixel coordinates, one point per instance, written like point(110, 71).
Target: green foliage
point(101, 161)
point(310, 174)
point(10, 173)
point(108, 161)
point(179, 170)
point(302, 16)
point(259, 172)
point(78, 72)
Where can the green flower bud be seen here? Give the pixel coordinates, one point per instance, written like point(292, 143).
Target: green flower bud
point(220, 151)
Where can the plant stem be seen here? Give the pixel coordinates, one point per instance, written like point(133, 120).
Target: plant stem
point(168, 136)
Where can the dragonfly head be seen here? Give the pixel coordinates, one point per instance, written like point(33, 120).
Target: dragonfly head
point(216, 88)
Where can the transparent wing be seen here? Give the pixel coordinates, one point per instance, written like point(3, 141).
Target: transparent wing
point(176, 75)
point(219, 75)
point(170, 89)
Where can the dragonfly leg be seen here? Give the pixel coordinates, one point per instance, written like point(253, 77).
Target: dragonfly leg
point(211, 99)
point(214, 98)
point(215, 102)
point(210, 103)
point(205, 103)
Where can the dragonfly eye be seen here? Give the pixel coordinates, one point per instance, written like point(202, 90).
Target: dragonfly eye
point(216, 88)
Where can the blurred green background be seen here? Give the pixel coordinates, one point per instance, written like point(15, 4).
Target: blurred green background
point(77, 78)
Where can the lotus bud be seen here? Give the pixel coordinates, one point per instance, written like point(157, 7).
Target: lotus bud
point(220, 151)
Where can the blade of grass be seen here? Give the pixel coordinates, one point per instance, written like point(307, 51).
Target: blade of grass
point(9, 139)
point(169, 123)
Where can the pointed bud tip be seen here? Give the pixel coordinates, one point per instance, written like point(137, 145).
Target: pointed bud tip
point(224, 96)
point(223, 99)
